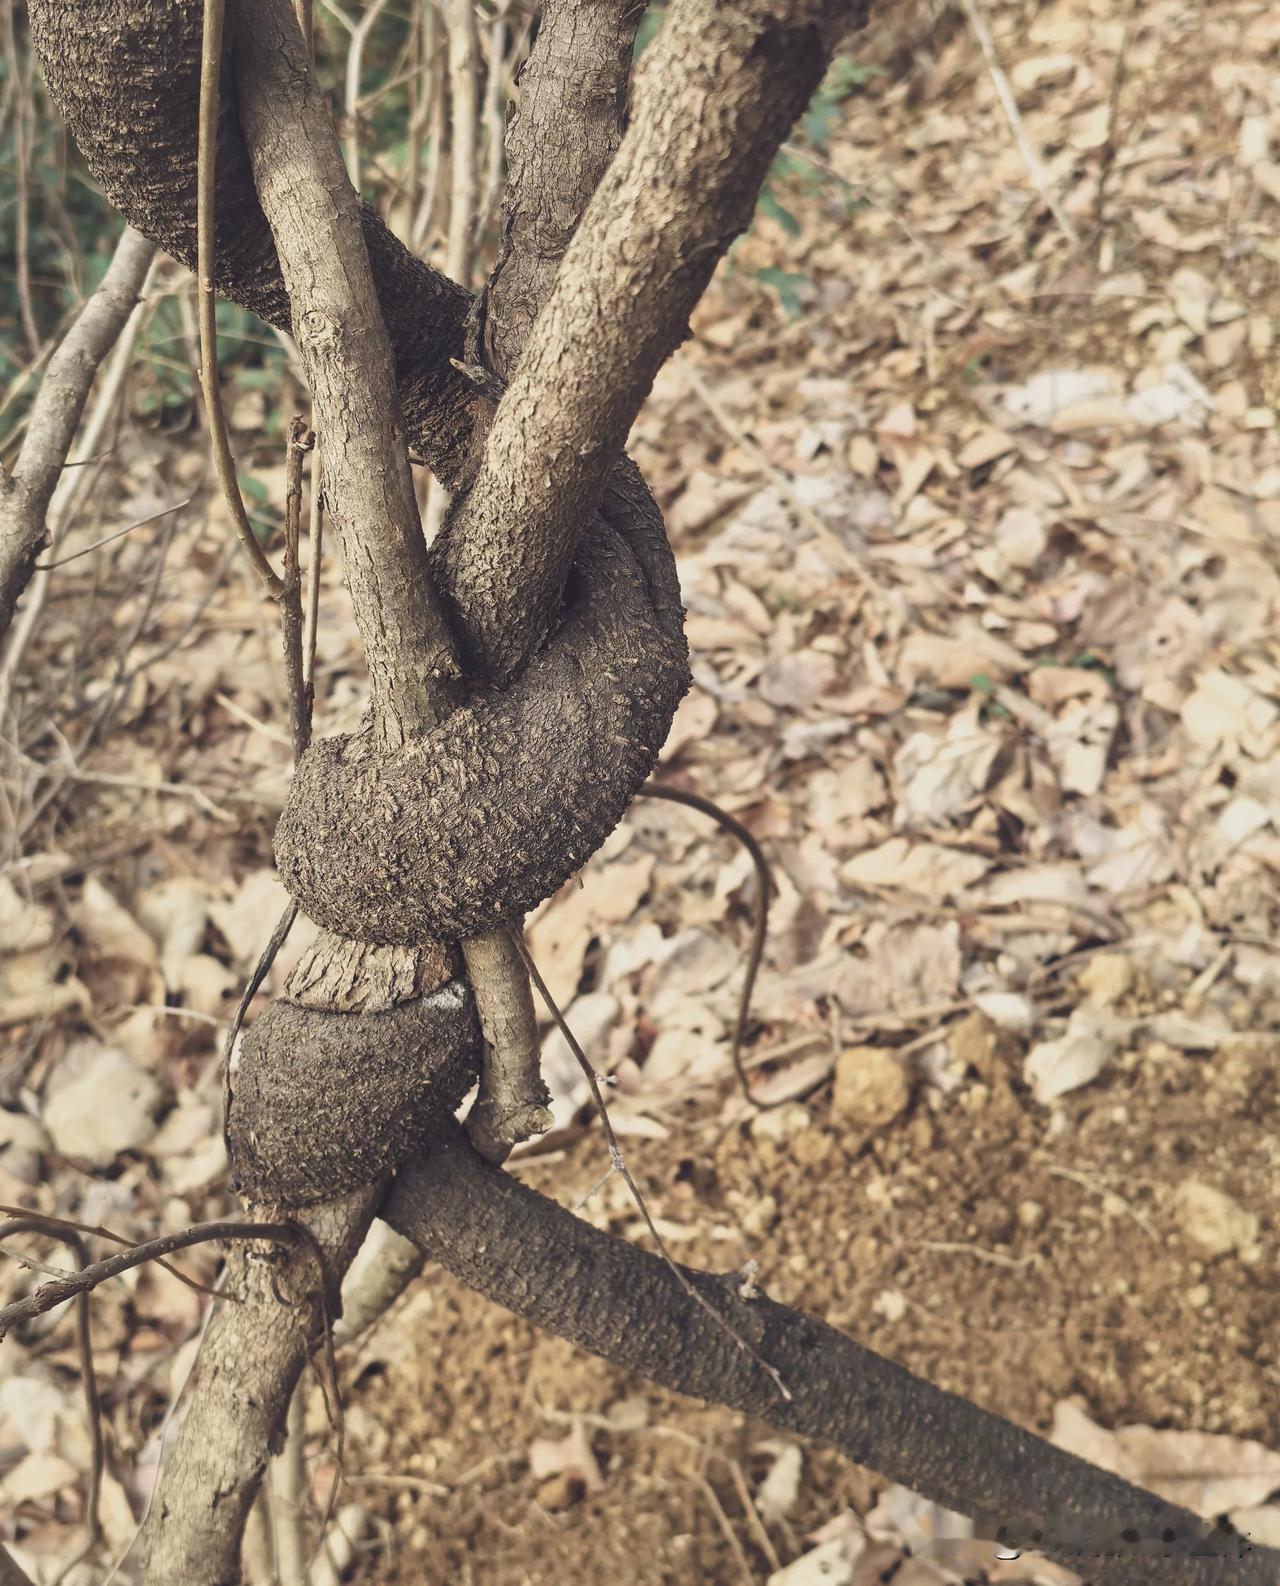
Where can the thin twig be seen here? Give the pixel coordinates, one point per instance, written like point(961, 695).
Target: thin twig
point(22, 172)
point(1110, 149)
point(50, 1295)
point(1035, 170)
point(268, 957)
point(116, 534)
point(355, 62)
point(803, 512)
point(726, 1526)
point(73, 773)
point(206, 189)
point(760, 912)
point(463, 50)
point(98, 1231)
point(315, 539)
point(35, 1222)
point(285, 1494)
point(301, 439)
point(620, 1164)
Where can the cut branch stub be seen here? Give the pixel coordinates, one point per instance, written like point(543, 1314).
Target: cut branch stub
point(324, 1102)
point(475, 822)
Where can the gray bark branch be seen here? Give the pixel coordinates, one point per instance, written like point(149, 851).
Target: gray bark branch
point(55, 415)
point(715, 96)
point(537, 1259)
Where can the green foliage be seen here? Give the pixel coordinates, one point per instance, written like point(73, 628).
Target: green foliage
point(650, 22)
point(793, 172)
point(790, 287)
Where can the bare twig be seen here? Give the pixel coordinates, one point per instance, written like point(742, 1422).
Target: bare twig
point(494, 105)
point(301, 439)
point(420, 225)
point(20, 71)
point(116, 534)
point(261, 969)
point(464, 52)
point(760, 912)
point(26, 497)
point(620, 1167)
point(224, 462)
point(50, 1295)
point(379, 1275)
point(75, 482)
point(1004, 93)
point(512, 1104)
point(97, 1231)
point(359, 34)
point(1111, 148)
point(287, 1489)
point(315, 547)
point(52, 1228)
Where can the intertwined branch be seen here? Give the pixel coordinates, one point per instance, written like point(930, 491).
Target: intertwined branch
point(549, 528)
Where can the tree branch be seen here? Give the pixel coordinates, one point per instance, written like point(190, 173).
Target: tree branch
point(559, 142)
point(249, 1364)
point(716, 94)
point(537, 1259)
point(55, 415)
point(254, 1352)
point(124, 75)
point(562, 135)
point(338, 326)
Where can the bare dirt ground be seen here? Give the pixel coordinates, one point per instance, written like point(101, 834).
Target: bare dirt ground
point(976, 507)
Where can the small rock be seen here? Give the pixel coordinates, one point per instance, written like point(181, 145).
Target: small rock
point(811, 1147)
point(1030, 1214)
point(1106, 978)
point(972, 1042)
point(780, 1123)
point(561, 1491)
point(760, 1216)
point(871, 1086)
point(1212, 1219)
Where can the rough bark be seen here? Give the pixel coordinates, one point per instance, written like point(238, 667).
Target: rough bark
point(125, 76)
point(55, 416)
point(345, 350)
point(716, 93)
point(254, 1350)
point(558, 144)
point(561, 136)
point(513, 1103)
point(326, 1101)
point(258, 1341)
point(537, 1259)
point(475, 822)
